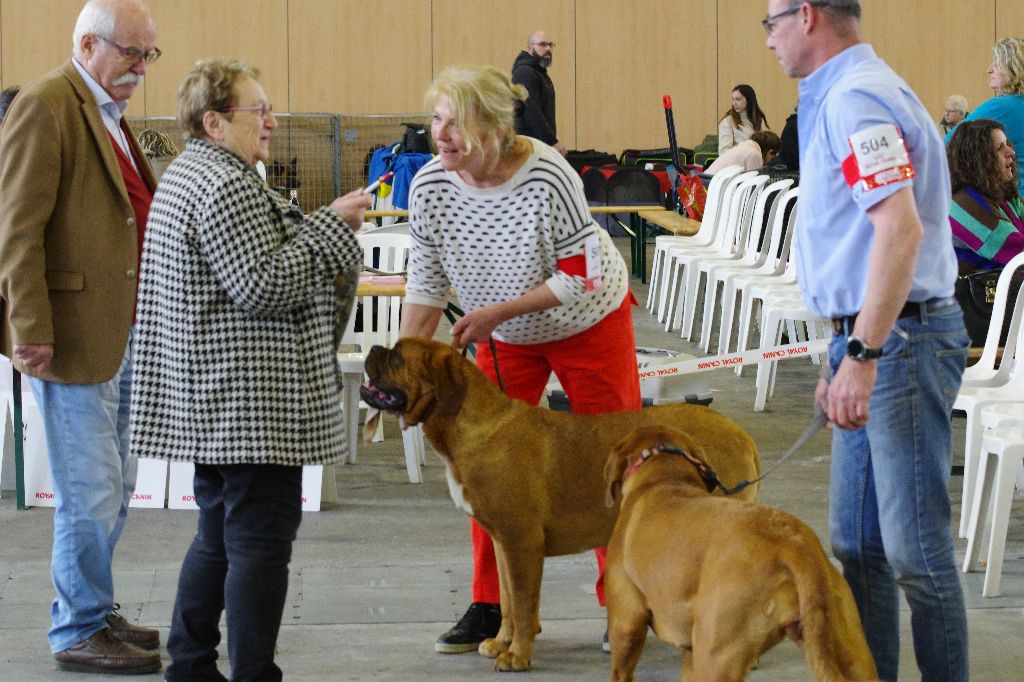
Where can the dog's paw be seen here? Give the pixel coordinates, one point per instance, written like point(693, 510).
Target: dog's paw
point(509, 662)
point(492, 647)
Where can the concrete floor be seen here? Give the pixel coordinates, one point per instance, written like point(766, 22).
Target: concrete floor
point(377, 576)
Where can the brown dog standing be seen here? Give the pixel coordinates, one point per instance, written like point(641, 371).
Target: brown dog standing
point(722, 579)
point(532, 477)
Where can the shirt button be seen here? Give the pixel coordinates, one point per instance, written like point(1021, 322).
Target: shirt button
point(131, 221)
point(130, 274)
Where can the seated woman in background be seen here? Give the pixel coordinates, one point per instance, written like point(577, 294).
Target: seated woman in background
point(1006, 77)
point(987, 214)
point(750, 154)
point(742, 120)
point(953, 113)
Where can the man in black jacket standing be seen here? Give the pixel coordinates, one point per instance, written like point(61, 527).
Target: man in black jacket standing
point(536, 117)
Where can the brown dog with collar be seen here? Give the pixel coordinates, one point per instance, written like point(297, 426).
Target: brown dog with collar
point(722, 579)
point(532, 477)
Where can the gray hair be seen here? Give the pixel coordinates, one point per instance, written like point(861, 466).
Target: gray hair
point(837, 8)
point(209, 86)
point(957, 103)
point(99, 18)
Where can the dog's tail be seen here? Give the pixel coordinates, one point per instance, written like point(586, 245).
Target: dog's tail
point(830, 627)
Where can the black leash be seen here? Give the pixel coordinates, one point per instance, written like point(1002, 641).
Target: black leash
point(709, 476)
point(494, 355)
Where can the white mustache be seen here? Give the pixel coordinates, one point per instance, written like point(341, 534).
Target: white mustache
point(128, 79)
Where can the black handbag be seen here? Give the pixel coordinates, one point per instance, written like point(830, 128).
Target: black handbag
point(976, 293)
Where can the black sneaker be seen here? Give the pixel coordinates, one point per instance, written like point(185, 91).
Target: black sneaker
point(605, 646)
point(481, 621)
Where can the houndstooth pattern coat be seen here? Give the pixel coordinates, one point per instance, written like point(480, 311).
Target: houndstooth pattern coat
point(234, 354)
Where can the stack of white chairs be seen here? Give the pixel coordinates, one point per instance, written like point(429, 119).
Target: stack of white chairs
point(740, 223)
point(380, 318)
point(986, 383)
point(735, 281)
point(684, 279)
point(657, 294)
point(778, 285)
point(762, 236)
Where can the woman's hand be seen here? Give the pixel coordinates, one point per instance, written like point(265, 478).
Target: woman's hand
point(352, 207)
point(477, 326)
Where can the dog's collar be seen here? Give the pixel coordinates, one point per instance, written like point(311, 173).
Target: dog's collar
point(706, 473)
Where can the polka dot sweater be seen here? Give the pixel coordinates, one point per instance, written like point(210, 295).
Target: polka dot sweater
point(498, 243)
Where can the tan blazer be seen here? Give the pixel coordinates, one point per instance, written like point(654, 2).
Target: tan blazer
point(68, 242)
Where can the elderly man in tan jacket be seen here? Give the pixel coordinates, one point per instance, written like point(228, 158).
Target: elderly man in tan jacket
point(75, 190)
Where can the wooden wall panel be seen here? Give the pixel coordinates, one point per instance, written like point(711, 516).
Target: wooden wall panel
point(36, 37)
point(189, 30)
point(347, 56)
point(628, 55)
point(494, 31)
point(744, 58)
point(1009, 19)
point(940, 48)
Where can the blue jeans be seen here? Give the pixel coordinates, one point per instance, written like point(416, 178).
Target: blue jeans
point(889, 511)
point(93, 478)
point(249, 515)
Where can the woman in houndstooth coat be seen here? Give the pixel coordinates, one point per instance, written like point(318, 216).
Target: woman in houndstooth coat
point(234, 364)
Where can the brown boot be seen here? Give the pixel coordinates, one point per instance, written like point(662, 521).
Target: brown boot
point(104, 653)
point(144, 638)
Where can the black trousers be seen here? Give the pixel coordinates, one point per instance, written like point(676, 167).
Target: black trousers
point(249, 515)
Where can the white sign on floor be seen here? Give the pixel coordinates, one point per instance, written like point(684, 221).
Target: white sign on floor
point(180, 493)
point(150, 481)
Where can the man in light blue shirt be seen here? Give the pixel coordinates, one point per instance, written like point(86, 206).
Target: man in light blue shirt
point(874, 254)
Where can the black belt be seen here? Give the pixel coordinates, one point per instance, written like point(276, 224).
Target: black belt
point(841, 324)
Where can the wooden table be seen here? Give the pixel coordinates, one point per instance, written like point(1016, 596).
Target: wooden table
point(668, 221)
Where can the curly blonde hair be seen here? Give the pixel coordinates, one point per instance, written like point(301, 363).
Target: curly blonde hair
point(1008, 56)
point(483, 101)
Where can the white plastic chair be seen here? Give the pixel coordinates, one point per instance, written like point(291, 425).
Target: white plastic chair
point(756, 287)
point(686, 285)
point(670, 265)
point(1002, 455)
point(380, 317)
point(985, 369)
point(776, 313)
point(746, 200)
point(990, 384)
point(762, 241)
point(705, 235)
point(772, 266)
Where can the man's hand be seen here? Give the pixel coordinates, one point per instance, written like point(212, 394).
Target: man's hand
point(34, 357)
point(848, 395)
point(560, 148)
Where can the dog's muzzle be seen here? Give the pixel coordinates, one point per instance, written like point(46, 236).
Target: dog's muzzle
point(392, 401)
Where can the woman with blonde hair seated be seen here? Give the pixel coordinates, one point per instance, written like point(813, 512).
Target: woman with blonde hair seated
point(1006, 77)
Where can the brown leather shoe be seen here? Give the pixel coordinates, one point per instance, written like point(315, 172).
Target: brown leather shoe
point(144, 638)
point(104, 653)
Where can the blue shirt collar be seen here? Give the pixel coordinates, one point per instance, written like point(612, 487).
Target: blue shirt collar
point(821, 80)
point(103, 99)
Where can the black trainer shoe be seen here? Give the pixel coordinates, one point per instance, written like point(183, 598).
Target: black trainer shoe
point(605, 646)
point(481, 621)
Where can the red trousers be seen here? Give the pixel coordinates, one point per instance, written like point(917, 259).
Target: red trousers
point(597, 369)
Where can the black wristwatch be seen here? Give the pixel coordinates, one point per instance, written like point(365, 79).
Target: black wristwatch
point(860, 351)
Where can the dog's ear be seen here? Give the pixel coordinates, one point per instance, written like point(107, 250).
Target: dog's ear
point(451, 392)
point(614, 469)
